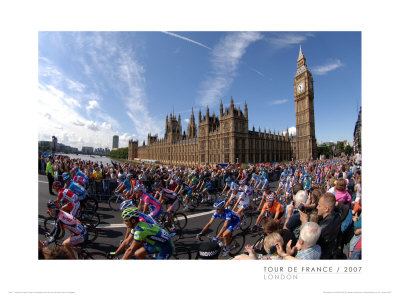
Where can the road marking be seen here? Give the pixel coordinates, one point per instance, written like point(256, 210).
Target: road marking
point(111, 226)
point(44, 182)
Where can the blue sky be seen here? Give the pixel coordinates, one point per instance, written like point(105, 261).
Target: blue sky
point(93, 85)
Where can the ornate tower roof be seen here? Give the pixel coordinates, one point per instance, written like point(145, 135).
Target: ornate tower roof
point(301, 56)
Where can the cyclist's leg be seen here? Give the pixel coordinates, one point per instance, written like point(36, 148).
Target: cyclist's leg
point(142, 252)
point(70, 242)
point(166, 251)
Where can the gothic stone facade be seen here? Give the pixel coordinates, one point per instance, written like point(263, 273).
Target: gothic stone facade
point(227, 139)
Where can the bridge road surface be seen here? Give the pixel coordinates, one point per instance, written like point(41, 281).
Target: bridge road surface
point(112, 229)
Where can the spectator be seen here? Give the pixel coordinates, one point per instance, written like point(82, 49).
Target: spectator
point(271, 242)
point(50, 175)
point(106, 180)
point(330, 225)
point(342, 196)
point(293, 222)
point(306, 247)
point(97, 176)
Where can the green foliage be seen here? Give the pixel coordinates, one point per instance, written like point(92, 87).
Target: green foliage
point(348, 149)
point(121, 153)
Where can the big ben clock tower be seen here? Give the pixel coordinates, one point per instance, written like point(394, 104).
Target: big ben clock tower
point(306, 147)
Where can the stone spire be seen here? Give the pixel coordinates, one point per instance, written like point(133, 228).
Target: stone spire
point(231, 103)
point(301, 56)
point(245, 110)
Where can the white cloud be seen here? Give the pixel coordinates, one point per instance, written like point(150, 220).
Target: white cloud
point(48, 116)
point(324, 69)
point(225, 59)
point(258, 72)
point(78, 123)
point(187, 39)
point(187, 120)
point(278, 102)
point(292, 131)
point(92, 126)
point(285, 39)
point(92, 104)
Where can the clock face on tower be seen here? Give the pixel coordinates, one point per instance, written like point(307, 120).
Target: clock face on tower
point(300, 87)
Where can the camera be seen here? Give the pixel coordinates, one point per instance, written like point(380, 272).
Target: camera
point(272, 249)
point(302, 208)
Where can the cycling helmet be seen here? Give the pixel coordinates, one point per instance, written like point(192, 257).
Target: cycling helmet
point(130, 212)
point(271, 198)
point(129, 176)
point(126, 204)
point(66, 176)
point(235, 187)
point(179, 180)
point(139, 187)
point(219, 204)
point(52, 205)
point(57, 184)
point(228, 179)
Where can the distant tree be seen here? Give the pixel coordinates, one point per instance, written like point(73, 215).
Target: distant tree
point(348, 150)
point(121, 153)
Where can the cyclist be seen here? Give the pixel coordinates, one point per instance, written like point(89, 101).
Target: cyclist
point(229, 184)
point(75, 172)
point(147, 201)
point(184, 190)
point(73, 204)
point(144, 238)
point(271, 208)
point(142, 217)
point(125, 186)
point(74, 187)
point(65, 220)
point(205, 188)
point(168, 197)
point(232, 222)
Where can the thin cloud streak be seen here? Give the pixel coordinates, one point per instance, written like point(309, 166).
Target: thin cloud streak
point(225, 59)
point(186, 39)
point(324, 69)
point(278, 102)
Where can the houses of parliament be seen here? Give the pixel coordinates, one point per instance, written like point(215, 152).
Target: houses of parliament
point(227, 138)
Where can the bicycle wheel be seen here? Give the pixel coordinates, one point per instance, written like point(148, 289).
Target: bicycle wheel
point(92, 233)
point(96, 255)
point(90, 217)
point(181, 253)
point(114, 202)
point(246, 221)
point(49, 223)
point(237, 244)
point(180, 220)
point(90, 203)
point(259, 244)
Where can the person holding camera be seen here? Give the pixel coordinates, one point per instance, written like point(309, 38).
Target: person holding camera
point(306, 247)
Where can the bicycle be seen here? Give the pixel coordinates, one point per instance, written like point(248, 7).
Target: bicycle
point(236, 245)
point(90, 203)
point(84, 254)
point(115, 201)
point(181, 252)
point(237, 242)
point(49, 223)
point(180, 221)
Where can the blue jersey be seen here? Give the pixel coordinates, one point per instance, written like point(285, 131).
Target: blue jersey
point(229, 215)
point(78, 190)
point(128, 185)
